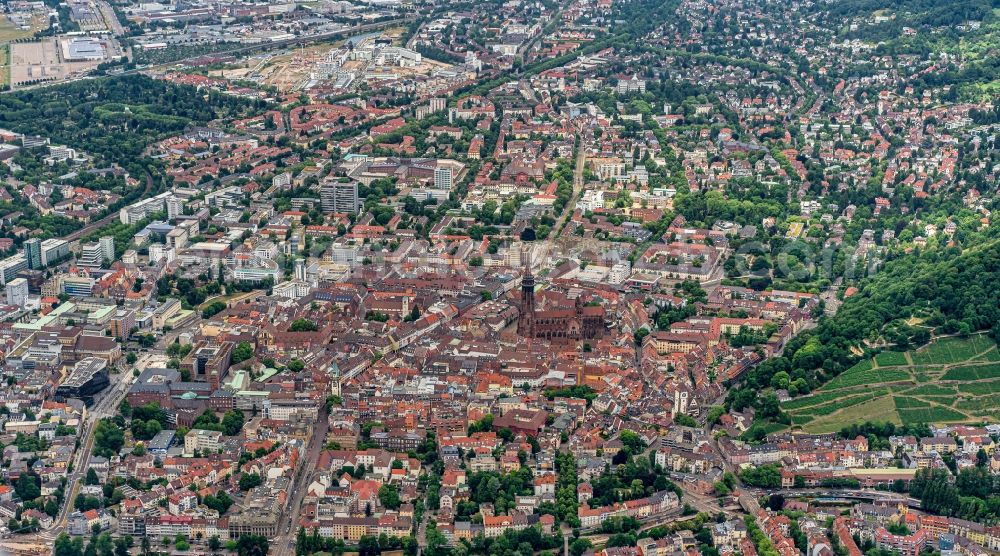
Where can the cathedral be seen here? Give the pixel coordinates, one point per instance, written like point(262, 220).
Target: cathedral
point(578, 322)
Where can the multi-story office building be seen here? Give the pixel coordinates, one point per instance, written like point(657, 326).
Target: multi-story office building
point(53, 251)
point(92, 256)
point(108, 247)
point(175, 207)
point(339, 197)
point(77, 286)
point(17, 292)
point(10, 266)
point(33, 252)
point(442, 178)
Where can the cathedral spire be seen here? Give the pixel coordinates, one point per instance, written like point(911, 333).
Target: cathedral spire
point(526, 320)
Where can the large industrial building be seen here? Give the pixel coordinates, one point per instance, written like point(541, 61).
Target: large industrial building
point(83, 49)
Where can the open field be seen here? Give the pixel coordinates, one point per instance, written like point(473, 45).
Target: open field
point(4, 64)
point(10, 32)
point(950, 380)
point(879, 409)
point(395, 33)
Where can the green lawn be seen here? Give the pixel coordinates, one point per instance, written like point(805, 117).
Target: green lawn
point(826, 404)
point(4, 64)
point(10, 32)
point(880, 409)
point(834, 406)
point(809, 401)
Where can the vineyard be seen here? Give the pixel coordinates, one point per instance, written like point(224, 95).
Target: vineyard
point(949, 380)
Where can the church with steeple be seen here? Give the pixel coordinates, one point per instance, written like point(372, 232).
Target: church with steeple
point(526, 321)
point(568, 318)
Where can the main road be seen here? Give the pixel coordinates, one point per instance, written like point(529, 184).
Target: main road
point(106, 405)
point(578, 167)
point(284, 543)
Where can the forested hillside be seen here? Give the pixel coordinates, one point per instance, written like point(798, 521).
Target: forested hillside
point(942, 292)
point(915, 13)
point(925, 28)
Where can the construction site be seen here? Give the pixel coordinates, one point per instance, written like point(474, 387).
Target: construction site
point(341, 66)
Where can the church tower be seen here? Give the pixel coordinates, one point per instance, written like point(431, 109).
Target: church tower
point(526, 320)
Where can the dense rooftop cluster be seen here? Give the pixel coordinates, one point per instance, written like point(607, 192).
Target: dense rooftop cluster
point(613, 277)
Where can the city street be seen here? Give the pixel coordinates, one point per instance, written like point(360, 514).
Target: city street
point(105, 405)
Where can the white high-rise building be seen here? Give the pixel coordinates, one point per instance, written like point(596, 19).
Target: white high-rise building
point(282, 181)
point(141, 209)
point(53, 250)
point(91, 256)
point(17, 292)
point(339, 197)
point(10, 266)
point(159, 251)
point(442, 178)
point(175, 207)
point(108, 247)
point(619, 273)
